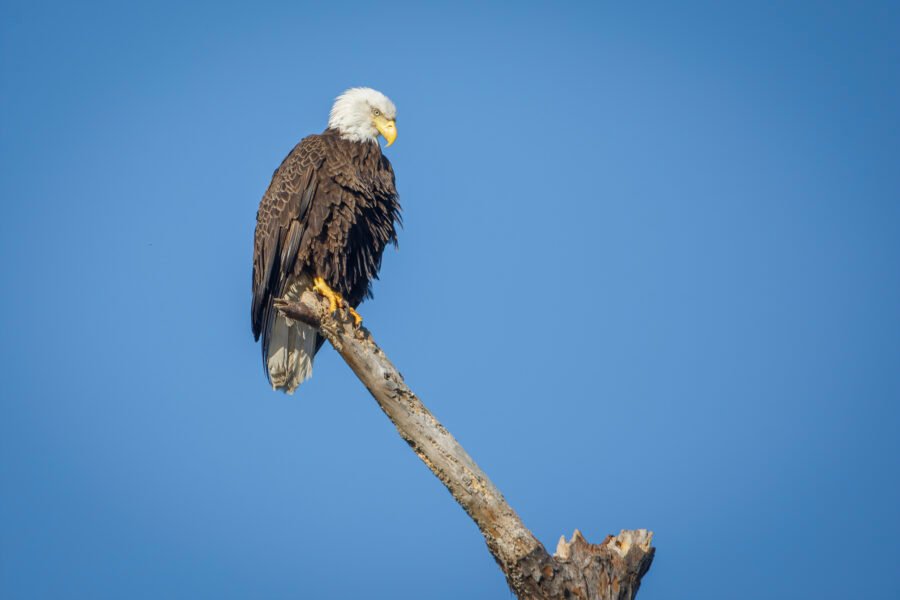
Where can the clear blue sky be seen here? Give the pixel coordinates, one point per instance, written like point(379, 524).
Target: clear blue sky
point(650, 277)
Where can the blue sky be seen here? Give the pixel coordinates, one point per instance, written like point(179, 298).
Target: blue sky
point(649, 277)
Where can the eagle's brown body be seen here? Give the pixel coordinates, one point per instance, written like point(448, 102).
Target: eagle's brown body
point(330, 210)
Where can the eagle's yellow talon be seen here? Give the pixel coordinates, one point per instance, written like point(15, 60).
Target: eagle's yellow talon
point(335, 300)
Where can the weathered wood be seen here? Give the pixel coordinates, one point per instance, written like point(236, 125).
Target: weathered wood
point(611, 570)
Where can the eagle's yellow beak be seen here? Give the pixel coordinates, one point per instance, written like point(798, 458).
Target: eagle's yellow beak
point(387, 128)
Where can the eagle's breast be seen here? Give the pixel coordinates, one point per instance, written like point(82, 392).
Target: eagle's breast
point(359, 207)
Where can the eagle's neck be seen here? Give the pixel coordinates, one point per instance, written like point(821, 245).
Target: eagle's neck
point(355, 133)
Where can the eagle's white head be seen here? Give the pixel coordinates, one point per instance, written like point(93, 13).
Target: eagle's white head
point(360, 114)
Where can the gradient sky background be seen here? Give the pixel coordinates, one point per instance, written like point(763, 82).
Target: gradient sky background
point(650, 277)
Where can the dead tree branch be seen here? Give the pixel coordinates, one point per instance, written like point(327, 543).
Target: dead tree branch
point(611, 570)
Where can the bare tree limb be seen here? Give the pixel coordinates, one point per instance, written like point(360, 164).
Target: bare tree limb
point(611, 570)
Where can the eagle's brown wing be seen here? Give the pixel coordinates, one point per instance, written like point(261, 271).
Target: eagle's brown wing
point(281, 222)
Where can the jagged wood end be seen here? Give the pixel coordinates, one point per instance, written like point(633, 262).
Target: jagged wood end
point(610, 570)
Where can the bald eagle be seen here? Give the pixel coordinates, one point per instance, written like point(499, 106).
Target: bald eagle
point(323, 225)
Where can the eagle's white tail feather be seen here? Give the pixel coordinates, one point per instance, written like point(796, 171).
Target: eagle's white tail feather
point(292, 346)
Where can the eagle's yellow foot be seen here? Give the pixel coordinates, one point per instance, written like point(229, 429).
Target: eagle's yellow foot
point(357, 319)
point(335, 300)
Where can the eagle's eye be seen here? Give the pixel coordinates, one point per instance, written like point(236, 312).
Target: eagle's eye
point(376, 112)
